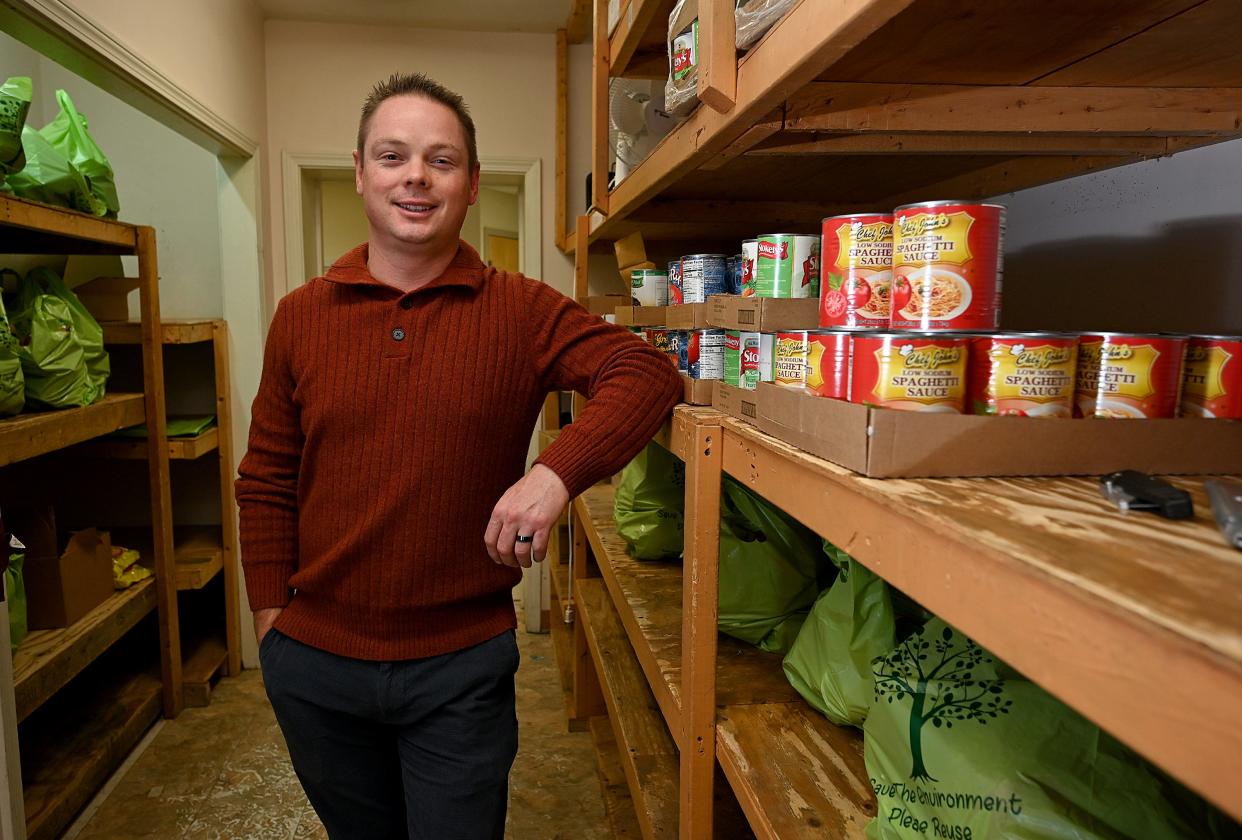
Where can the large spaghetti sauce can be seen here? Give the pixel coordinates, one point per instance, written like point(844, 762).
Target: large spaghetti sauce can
point(1212, 385)
point(857, 267)
point(1129, 376)
point(1023, 374)
point(909, 371)
point(828, 363)
point(789, 358)
point(947, 266)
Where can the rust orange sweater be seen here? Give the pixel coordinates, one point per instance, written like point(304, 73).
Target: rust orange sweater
point(388, 425)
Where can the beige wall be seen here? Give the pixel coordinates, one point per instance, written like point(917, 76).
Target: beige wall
point(342, 219)
point(318, 75)
point(214, 51)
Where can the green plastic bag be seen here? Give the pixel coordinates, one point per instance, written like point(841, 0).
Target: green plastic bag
point(12, 382)
point(15, 592)
point(54, 359)
point(49, 177)
point(87, 329)
point(15, 95)
point(173, 427)
point(958, 745)
point(649, 505)
point(771, 569)
point(71, 137)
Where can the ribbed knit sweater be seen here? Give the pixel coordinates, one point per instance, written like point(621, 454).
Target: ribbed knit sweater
point(386, 427)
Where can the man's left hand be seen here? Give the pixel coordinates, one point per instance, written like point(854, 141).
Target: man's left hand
point(528, 508)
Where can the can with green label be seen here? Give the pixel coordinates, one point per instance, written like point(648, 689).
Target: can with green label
point(787, 266)
point(748, 359)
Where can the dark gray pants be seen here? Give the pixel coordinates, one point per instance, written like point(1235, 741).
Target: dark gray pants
point(417, 749)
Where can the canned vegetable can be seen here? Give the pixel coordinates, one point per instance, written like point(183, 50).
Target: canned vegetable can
point(750, 253)
point(675, 296)
point(1128, 377)
point(1023, 374)
point(702, 275)
point(787, 266)
point(909, 371)
point(857, 252)
point(649, 287)
point(705, 354)
point(1212, 385)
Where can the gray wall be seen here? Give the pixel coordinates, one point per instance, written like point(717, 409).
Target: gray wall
point(1150, 246)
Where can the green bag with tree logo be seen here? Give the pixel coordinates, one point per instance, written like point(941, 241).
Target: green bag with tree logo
point(852, 622)
point(54, 359)
point(15, 95)
point(771, 568)
point(649, 505)
point(15, 592)
point(958, 745)
point(49, 177)
point(70, 135)
point(12, 382)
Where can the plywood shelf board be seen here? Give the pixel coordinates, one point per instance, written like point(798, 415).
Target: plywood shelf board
point(179, 448)
point(1032, 567)
point(618, 805)
point(795, 774)
point(32, 434)
point(641, 32)
point(27, 220)
point(173, 332)
point(647, 749)
point(63, 766)
point(206, 659)
point(48, 659)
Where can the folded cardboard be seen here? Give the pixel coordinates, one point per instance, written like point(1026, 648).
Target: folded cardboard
point(883, 443)
point(62, 587)
point(697, 391)
point(735, 402)
point(107, 298)
point(630, 250)
point(734, 312)
point(688, 316)
point(603, 304)
point(627, 270)
point(641, 316)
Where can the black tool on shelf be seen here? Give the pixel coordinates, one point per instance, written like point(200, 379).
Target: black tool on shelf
point(1134, 490)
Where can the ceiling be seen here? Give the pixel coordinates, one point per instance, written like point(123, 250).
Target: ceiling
point(470, 15)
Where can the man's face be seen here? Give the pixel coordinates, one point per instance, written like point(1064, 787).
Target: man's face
point(414, 175)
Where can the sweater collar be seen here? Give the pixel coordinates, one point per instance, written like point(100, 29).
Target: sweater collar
point(466, 269)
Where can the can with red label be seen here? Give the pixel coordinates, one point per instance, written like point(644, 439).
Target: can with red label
point(1212, 385)
point(909, 371)
point(750, 253)
point(828, 363)
point(947, 266)
point(1129, 376)
point(857, 266)
point(1023, 374)
point(789, 358)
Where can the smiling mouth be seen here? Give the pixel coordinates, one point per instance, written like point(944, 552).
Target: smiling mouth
point(416, 207)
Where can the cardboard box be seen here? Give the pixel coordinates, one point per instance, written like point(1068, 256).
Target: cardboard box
point(688, 316)
point(735, 402)
point(107, 298)
point(630, 250)
point(641, 316)
point(883, 443)
point(603, 304)
point(62, 587)
point(734, 312)
point(627, 270)
point(697, 391)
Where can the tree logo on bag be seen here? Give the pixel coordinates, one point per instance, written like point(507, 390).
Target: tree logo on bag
point(938, 677)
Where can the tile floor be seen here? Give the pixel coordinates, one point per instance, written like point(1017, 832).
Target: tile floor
point(222, 772)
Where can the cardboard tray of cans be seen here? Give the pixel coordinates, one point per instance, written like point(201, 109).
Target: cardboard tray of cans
point(688, 316)
point(696, 391)
point(641, 316)
point(758, 314)
point(741, 403)
point(883, 443)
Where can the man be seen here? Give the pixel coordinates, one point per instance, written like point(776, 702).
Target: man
point(384, 514)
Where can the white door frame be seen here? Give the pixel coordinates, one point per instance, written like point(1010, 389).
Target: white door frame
point(294, 163)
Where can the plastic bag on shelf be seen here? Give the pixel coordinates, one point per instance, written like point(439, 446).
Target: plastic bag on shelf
point(15, 95)
point(681, 91)
point(125, 569)
point(649, 505)
point(959, 745)
point(15, 592)
point(53, 356)
point(852, 622)
point(51, 178)
point(771, 568)
point(12, 382)
point(89, 333)
point(756, 17)
point(70, 135)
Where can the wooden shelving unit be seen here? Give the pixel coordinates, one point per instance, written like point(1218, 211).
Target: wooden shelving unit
point(871, 104)
point(203, 551)
point(66, 756)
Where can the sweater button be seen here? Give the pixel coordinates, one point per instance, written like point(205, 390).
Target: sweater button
point(407, 303)
point(398, 334)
